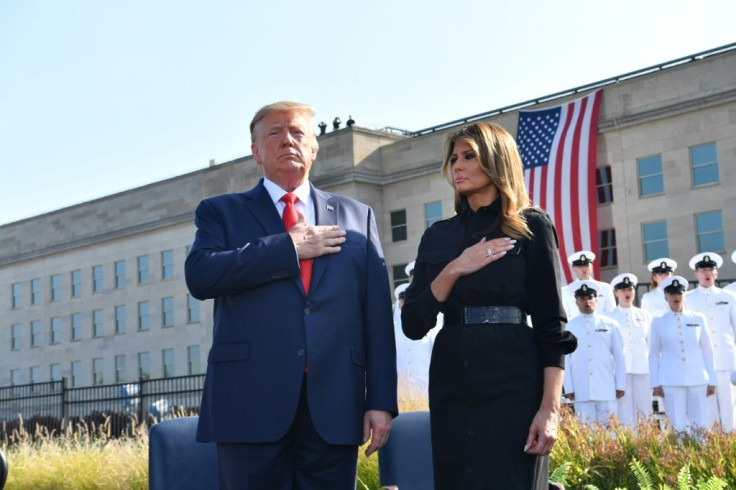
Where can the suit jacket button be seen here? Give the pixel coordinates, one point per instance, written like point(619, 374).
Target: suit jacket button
point(306, 311)
point(300, 353)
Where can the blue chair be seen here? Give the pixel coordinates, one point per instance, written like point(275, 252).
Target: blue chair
point(177, 460)
point(3, 468)
point(406, 459)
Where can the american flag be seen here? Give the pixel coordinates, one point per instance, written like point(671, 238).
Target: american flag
point(558, 149)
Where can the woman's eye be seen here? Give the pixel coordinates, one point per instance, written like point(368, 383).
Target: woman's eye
point(469, 156)
point(453, 160)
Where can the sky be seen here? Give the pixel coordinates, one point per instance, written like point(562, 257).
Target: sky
point(98, 96)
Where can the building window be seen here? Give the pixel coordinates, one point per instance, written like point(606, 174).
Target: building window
point(168, 362)
point(603, 185)
point(97, 284)
point(55, 373)
point(398, 225)
point(120, 369)
point(651, 179)
point(55, 330)
point(192, 309)
point(35, 333)
point(119, 274)
point(15, 299)
point(400, 276)
point(432, 212)
point(655, 240)
point(143, 269)
point(144, 365)
point(76, 283)
point(97, 319)
point(16, 333)
point(167, 264)
point(56, 287)
point(35, 375)
point(193, 360)
point(704, 164)
point(709, 228)
point(76, 326)
point(167, 311)
point(76, 373)
point(144, 322)
point(14, 377)
point(120, 319)
point(35, 291)
point(97, 378)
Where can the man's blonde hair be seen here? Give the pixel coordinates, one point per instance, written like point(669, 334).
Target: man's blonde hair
point(281, 106)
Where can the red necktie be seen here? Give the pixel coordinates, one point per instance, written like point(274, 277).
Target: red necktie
point(290, 218)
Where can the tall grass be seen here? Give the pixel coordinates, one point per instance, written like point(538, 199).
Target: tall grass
point(89, 458)
point(601, 455)
point(79, 457)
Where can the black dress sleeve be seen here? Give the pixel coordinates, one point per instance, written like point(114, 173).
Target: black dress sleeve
point(544, 301)
point(419, 314)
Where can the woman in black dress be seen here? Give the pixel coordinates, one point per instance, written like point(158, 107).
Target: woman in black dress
point(494, 382)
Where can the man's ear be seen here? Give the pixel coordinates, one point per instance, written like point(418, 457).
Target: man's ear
point(256, 155)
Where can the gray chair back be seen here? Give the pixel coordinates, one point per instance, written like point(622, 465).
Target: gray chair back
point(406, 459)
point(177, 460)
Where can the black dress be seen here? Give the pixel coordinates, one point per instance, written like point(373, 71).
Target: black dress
point(485, 382)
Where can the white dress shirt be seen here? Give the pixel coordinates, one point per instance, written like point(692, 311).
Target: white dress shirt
point(596, 369)
point(304, 205)
point(719, 309)
point(634, 325)
point(680, 352)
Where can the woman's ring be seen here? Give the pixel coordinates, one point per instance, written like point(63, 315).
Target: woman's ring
point(489, 252)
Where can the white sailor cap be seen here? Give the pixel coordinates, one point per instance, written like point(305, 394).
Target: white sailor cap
point(409, 269)
point(400, 289)
point(624, 281)
point(662, 265)
point(705, 259)
point(675, 284)
point(583, 257)
point(585, 288)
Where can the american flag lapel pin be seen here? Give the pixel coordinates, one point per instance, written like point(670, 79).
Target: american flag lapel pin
point(330, 208)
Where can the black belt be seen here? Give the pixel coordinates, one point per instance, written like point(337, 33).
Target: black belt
point(486, 315)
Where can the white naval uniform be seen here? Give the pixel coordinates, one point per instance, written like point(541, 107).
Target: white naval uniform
point(731, 288)
point(412, 363)
point(634, 325)
point(596, 369)
point(719, 309)
point(606, 299)
point(681, 362)
point(653, 302)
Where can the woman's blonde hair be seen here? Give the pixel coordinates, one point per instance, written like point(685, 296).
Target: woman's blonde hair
point(499, 158)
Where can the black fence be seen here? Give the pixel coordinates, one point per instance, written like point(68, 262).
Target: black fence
point(117, 408)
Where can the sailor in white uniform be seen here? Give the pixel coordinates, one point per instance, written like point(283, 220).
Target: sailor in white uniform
point(582, 270)
point(653, 301)
point(681, 360)
point(719, 309)
point(731, 288)
point(412, 360)
point(633, 324)
point(595, 374)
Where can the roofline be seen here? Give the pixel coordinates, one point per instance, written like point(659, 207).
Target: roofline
point(565, 93)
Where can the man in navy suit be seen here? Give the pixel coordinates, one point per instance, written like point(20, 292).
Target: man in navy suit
point(302, 368)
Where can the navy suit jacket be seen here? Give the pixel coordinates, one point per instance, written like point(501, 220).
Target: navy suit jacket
point(265, 327)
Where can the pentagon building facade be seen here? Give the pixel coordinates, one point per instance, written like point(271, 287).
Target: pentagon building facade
point(95, 292)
